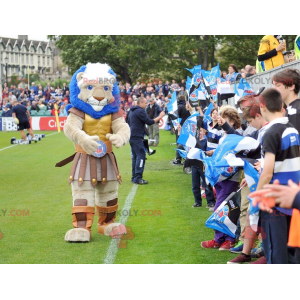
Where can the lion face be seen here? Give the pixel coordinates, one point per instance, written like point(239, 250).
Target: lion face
point(95, 90)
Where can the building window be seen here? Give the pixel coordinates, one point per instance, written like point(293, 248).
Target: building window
point(27, 59)
point(16, 58)
point(48, 61)
point(22, 58)
point(31, 60)
point(39, 60)
point(43, 60)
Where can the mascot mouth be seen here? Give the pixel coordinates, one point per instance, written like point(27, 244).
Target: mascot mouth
point(97, 103)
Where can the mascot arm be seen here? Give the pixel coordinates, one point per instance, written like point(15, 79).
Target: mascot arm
point(121, 133)
point(73, 130)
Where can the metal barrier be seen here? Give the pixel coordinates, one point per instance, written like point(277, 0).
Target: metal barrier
point(264, 79)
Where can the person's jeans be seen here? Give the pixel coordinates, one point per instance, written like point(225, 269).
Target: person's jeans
point(138, 159)
point(198, 179)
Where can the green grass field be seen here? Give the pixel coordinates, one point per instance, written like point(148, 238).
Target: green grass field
point(30, 182)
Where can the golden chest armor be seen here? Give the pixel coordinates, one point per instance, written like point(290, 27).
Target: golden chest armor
point(100, 127)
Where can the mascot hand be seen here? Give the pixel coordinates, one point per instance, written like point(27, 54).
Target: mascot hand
point(89, 144)
point(115, 139)
point(16, 121)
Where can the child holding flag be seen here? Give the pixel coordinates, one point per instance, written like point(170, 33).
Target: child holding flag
point(224, 188)
point(280, 160)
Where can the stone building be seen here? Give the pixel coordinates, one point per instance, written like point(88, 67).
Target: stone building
point(24, 55)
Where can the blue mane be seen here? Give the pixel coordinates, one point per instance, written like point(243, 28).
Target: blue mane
point(87, 108)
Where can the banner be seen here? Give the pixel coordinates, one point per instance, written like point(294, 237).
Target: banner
point(163, 122)
point(37, 123)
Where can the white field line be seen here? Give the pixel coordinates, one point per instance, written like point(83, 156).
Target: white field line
point(113, 247)
point(17, 144)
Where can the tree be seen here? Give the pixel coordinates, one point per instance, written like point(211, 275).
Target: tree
point(130, 56)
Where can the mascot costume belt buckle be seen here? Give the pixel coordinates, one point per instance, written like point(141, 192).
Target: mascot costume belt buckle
point(101, 151)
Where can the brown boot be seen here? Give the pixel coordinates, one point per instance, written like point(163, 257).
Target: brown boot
point(107, 216)
point(82, 221)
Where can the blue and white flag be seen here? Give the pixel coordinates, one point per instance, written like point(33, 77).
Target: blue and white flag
point(188, 83)
point(217, 167)
point(196, 71)
point(188, 131)
point(172, 105)
point(210, 79)
point(225, 217)
point(182, 153)
point(206, 115)
point(252, 178)
point(197, 95)
point(176, 123)
point(242, 89)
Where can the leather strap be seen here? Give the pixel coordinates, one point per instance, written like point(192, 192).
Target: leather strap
point(83, 209)
point(65, 161)
point(73, 169)
point(115, 166)
point(93, 170)
point(82, 169)
point(103, 164)
point(106, 214)
point(77, 112)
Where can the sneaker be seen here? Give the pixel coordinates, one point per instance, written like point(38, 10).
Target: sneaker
point(151, 152)
point(260, 261)
point(240, 259)
point(210, 205)
point(197, 205)
point(210, 244)
point(142, 181)
point(238, 248)
point(176, 162)
point(226, 246)
point(258, 252)
point(212, 209)
point(24, 142)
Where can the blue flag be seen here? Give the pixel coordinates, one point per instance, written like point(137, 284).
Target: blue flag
point(188, 131)
point(182, 153)
point(252, 178)
point(172, 105)
point(211, 79)
point(217, 167)
point(176, 123)
point(206, 115)
point(243, 88)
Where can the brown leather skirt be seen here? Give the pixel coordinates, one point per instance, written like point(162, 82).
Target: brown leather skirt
point(89, 168)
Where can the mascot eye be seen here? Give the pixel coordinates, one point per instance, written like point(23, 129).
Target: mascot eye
point(106, 88)
point(89, 87)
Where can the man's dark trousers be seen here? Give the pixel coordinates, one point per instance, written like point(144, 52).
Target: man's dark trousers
point(138, 159)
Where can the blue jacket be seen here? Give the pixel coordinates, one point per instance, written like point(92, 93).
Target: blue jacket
point(137, 120)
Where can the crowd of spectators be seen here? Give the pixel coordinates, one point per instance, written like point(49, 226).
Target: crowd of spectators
point(35, 98)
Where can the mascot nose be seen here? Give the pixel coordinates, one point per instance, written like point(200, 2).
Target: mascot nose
point(99, 94)
point(98, 98)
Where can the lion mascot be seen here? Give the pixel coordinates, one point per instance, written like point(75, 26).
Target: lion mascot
point(95, 123)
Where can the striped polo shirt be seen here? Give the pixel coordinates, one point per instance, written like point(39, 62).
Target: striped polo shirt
point(282, 139)
point(213, 134)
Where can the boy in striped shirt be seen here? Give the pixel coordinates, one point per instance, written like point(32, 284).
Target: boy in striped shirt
point(280, 160)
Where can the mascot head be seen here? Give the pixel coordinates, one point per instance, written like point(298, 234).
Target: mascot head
point(94, 90)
